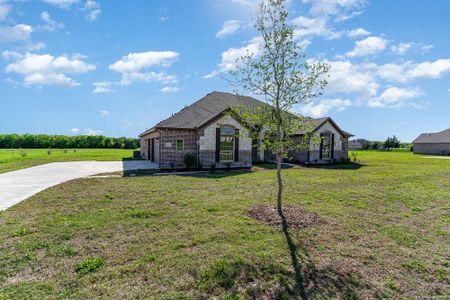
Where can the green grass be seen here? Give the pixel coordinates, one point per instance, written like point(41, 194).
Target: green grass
point(384, 233)
point(14, 159)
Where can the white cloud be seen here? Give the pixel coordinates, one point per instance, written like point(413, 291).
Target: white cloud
point(401, 48)
point(170, 89)
point(50, 25)
point(90, 131)
point(410, 70)
point(314, 27)
point(334, 7)
point(103, 113)
point(324, 106)
point(368, 46)
point(164, 18)
point(425, 48)
point(86, 131)
point(93, 10)
point(135, 62)
point(103, 87)
point(394, 97)
point(19, 32)
point(211, 75)
point(148, 77)
point(346, 77)
point(230, 56)
point(45, 69)
point(4, 11)
point(134, 67)
point(358, 32)
point(303, 44)
point(61, 3)
point(228, 28)
point(250, 3)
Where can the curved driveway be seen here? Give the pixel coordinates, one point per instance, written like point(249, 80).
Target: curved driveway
point(18, 185)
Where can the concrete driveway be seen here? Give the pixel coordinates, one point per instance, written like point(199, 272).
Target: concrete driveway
point(19, 185)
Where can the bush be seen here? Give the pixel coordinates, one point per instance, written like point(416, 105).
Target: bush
point(213, 168)
point(354, 157)
point(89, 265)
point(228, 165)
point(189, 160)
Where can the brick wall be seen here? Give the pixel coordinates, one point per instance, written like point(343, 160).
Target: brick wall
point(169, 153)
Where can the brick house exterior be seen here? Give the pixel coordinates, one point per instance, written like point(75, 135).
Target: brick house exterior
point(206, 130)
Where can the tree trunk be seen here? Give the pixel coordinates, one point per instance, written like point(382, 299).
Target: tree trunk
point(280, 184)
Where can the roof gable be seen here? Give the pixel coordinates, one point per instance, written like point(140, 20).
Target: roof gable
point(215, 104)
point(205, 109)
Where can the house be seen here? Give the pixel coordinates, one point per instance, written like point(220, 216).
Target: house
point(358, 144)
point(206, 130)
point(437, 143)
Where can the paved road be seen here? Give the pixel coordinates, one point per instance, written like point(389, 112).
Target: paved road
point(18, 185)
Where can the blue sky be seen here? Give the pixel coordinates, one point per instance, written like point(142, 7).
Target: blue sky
point(119, 67)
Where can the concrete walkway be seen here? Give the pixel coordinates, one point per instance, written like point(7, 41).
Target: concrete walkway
point(19, 185)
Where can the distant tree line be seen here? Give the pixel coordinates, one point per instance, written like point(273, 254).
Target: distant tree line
point(390, 144)
point(63, 141)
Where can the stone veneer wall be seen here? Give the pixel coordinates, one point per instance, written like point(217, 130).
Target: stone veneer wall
point(340, 144)
point(207, 144)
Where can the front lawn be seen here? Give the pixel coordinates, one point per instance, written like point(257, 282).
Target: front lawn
point(383, 233)
point(14, 159)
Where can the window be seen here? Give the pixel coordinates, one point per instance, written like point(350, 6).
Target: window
point(326, 146)
point(226, 143)
point(180, 145)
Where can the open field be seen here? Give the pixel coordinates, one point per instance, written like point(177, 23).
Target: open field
point(14, 159)
point(384, 233)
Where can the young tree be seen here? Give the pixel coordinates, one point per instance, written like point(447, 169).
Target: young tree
point(392, 142)
point(280, 74)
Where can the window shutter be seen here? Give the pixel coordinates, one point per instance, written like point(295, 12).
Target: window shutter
point(332, 146)
point(217, 144)
point(321, 146)
point(236, 145)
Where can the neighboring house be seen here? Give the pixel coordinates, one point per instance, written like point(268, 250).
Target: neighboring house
point(437, 143)
point(358, 144)
point(206, 130)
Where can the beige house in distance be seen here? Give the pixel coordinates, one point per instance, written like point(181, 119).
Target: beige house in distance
point(205, 130)
point(437, 143)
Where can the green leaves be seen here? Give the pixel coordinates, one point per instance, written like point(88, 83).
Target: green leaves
point(280, 73)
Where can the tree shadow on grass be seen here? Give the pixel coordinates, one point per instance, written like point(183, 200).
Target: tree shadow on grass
point(311, 282)
point(235, 277)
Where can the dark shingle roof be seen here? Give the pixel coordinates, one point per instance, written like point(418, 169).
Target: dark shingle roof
point(205, 109)
point(213, 104)
point(433, 138)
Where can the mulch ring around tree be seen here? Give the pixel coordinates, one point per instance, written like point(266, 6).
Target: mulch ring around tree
point(296, 216)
